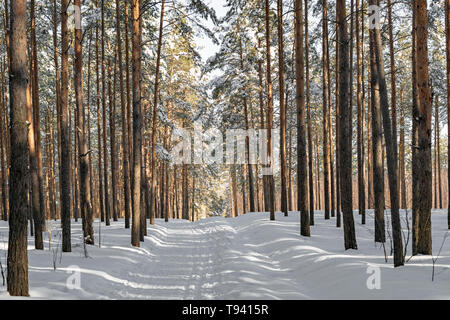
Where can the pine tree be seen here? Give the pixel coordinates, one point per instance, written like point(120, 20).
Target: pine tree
point(345, 135)
point(17, 277)
point(137, 123)
point(302, 184)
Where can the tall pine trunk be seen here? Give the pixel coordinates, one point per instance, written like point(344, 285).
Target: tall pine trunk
point(83, 153)
point(105, 147)
point(284, 203)
point(345, 133)
point(65, 146)
point(310, 140)
point(391, 146)
point(269, 179)
point(302, 175)
point(447, 41)
point(423, 196)
point(325, 83)
point(137, 124)
point(17, 277)
point(123, 104)
point(377, 145)
point(155, 109)
point(360, 133)
point(36, 119)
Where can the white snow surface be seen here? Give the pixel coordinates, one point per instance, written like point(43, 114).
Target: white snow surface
point(248, 257)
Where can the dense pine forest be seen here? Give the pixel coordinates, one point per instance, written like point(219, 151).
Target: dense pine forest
point(178, 129)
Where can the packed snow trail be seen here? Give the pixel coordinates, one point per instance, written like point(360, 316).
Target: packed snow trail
point(248, 257)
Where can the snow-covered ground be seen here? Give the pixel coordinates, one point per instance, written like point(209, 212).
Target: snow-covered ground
point(248, 257)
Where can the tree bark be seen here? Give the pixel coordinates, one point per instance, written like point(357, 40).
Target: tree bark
point(447, 45)
point(124, 106)
point(284, 203)
point(359, 99)
point(17, 277)
point(391, 146)
point(325, 83)
point(302, 170)
point(155, 105)
point(36, 119)
point(137, 124)
point(345, 133)
point(83, 152)
point(269, 179)
point(423, 153)
point(105, 147)
point(99, 129)
point(65, 146)
point(308, 103)
point(112, 138)
point(3, 141)
point(377, 145)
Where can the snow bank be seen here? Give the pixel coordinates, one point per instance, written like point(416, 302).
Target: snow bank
point(248, 257)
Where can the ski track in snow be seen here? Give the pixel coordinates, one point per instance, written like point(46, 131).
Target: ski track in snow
point(248, 257)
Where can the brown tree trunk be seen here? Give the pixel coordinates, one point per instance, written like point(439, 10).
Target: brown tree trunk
point(437, 169)
point(447, 42)
point(36, 118)
point(35, 207)
point(393, 74)
point(308, 103)
point(155, 105)
point(137, 125)
point(290, 174)
point(4, 174)
point(377, 145)
point(17, 277)
point(88, 129)
point(423, 153)
point(439, 159)
point(415, 164)
point(359, 99)
point(83, 153)
point(105, 147)
point(337, 133)
point(65, 146)
point(363, 113)
point(318, 188)
point(101, 197)
point(112, 138)
point(269, 179)
point(302, 170)
point(129, 125)
point(345, 133)
point(265, 196)
point(402, 164)
point(391, 144)
point(325, 83)
point(284, 204)
point(124, 108)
